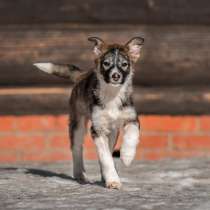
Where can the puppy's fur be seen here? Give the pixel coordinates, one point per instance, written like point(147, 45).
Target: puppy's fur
point(103, 96)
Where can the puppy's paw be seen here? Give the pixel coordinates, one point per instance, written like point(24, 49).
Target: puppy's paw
point(127, 155)
point(127, 159)
point(82, 179)
point(113, 185)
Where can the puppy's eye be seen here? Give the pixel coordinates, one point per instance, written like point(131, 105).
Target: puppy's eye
point(106, 63)
point(124, 64)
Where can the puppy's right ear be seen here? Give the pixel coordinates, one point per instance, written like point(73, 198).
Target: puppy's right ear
point(99, 47)
point(134, 48)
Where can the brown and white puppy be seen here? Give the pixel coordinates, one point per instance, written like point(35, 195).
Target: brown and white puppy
point(103, 96)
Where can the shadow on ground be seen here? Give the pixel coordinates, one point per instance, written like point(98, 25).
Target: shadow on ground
point(49, 174)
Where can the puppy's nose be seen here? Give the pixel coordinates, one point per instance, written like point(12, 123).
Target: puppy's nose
point(115, 76)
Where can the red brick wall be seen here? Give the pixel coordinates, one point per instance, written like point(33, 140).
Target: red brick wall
point(45, 138)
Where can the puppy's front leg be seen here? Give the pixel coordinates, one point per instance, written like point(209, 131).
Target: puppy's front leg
point(130, 142)
point(107, 163)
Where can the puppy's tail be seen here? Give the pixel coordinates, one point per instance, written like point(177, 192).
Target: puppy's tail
point(66, 71)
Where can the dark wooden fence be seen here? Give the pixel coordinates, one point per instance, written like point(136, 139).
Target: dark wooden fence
point(173, 76)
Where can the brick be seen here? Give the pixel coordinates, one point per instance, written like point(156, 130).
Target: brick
point(139, 154)
point(88, 142)
point(90, 154)
point(43, 123)
point(154, 142)
point(46, 157)
point(36, 123)
point(47, 146)
point(155, 155)
point(191, 142)
point(186, 154)
point(9, 143)
point(59, 142)
point(33, 143)
point(57, 156)
point(168, 123)
point(205, 123)
point(8, 158)
point(159, 155)
point(62, 122)
point(22, 143)
point(7, 123)
point(119, 142)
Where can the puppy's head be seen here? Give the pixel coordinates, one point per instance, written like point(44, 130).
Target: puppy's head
point(115, 61)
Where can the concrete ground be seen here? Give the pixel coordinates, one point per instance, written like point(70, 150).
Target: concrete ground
point(159, 185)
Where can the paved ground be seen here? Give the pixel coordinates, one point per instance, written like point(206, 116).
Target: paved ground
point(170, 185)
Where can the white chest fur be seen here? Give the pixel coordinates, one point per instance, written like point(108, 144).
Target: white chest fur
point(111, 115)
point(106, 116)
point(112, 110)
point(112, 97)
point(105, 119)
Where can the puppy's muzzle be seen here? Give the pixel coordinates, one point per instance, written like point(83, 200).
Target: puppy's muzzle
point(116, 77)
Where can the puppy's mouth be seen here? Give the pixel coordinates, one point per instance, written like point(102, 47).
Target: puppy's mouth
point(115, 84)
point(115, 78)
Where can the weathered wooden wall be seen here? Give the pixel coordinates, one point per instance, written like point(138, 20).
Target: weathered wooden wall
point(172, 55)
point(172, 77)
point(155, 100)
point(109, 11)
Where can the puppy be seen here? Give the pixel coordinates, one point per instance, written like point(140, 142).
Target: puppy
point(103, 96)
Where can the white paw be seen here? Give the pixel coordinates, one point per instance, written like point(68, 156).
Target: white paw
point(127, 155)
point(113, 185)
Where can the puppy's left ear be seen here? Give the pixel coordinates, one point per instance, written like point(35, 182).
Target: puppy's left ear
point(99, 47)
point(134, 47)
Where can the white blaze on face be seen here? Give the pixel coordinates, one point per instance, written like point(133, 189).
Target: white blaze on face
point(130, 142)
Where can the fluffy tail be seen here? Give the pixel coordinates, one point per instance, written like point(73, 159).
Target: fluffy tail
point(66, 71)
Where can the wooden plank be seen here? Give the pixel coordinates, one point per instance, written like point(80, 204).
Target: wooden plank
point(172, 55)
point(23, 101)
point(94, 11)
point(158, 100)
point(173, 100)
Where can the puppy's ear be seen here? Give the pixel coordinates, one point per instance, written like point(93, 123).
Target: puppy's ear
point(134, 47)
point(99, 47)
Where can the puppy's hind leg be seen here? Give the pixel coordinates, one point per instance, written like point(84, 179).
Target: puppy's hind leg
point(77, 131)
